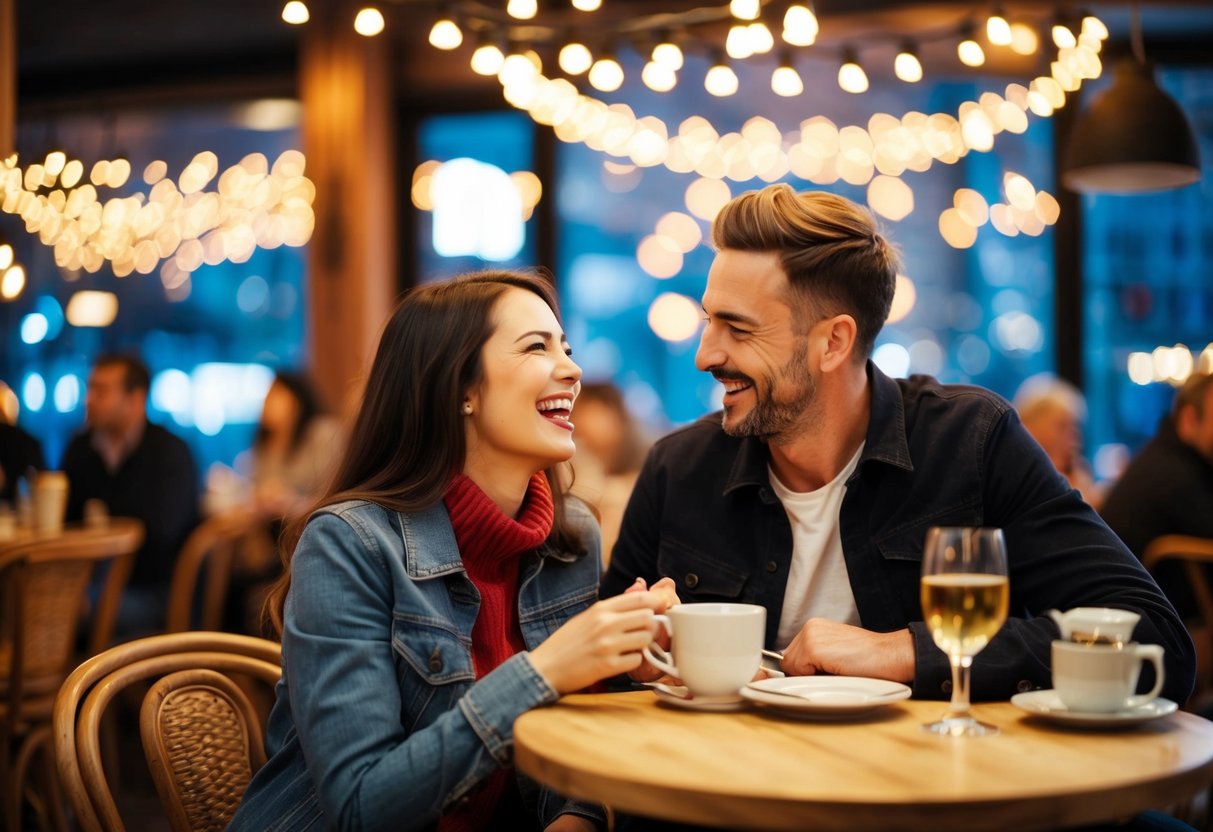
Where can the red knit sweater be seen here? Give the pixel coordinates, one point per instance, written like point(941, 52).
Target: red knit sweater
point(490, 544)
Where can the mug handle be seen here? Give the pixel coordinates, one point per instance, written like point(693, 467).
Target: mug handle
point(1153, 654)
point(657, 657)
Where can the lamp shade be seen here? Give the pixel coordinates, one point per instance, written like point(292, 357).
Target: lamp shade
point(1133, 138)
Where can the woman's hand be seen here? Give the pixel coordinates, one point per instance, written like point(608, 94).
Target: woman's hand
point(603, 641)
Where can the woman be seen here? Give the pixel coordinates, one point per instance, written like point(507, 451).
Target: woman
point(444, 586)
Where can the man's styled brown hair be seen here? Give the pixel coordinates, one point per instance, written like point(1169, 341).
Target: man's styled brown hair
point(830, 248)
point(1193, 393)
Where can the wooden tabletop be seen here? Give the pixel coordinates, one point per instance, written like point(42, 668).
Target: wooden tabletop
point(757, 770)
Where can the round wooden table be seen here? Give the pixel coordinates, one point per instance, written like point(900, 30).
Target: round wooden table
point(757, 770)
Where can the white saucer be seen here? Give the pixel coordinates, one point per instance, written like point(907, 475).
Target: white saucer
point(1047, 704)
point(680, 697)
point(824, 696)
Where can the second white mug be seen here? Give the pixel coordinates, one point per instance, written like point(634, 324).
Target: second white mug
point(1102, 678)
point(715, 648)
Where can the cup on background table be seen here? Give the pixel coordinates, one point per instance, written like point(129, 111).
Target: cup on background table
point(96, 514)
point(715, 649)
point(50, 501)
point(1102, 678)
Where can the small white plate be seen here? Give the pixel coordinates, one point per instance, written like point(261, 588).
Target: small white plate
point(1047, 704)
point(680, 697)
point(824, 696)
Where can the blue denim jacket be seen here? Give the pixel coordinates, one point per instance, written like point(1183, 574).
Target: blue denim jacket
point(703, 513)
point(380, 722)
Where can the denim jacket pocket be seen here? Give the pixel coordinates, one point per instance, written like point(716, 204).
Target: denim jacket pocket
point(907, 541)
point(698, 576)
point(434, 665)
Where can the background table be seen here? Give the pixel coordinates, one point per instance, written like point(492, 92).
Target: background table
point(754, 769)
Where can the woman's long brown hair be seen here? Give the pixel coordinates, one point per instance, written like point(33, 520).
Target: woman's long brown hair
point(407, 441)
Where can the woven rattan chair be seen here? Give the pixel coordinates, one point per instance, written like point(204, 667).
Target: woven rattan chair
point(43, 582)
point(201, 736)
point(210, 553)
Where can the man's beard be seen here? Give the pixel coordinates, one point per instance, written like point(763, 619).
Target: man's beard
point(772, 418)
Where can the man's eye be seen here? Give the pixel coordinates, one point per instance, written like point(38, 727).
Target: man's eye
point(737, 331)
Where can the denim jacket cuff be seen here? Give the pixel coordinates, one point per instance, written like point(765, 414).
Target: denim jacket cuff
point(931, 667)
point(493, 703)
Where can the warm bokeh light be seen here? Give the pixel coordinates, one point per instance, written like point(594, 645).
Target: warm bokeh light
point(972, 207)
point(575, 58)
point(998, 30)
point(369, 22)
point(487, 59)
point(658, 77)
point(445, 34)
point(681, 228)
point(6, 256)
point(745, 9)
point(587, 5)
point(674, 317)
point(705, 197)
point(890, 197)
point(1047, 207)
point(606, 75)
point(669, 54)
point(786, 81)
point(90, 308)
point(904, 296)
point(721, 81)
point(761, 39)
point(955, 231)
point(1063, 37)
point(522, 9)
point(1020, 192)
point(851, 76)
point(529, 187)
point(659, 256)
point(907, 67)
point(1094, 27)
point(295, 12)
point(1024, 40)
point(970, 53)
point(12, 282)
point(739, 43)
point(800, 26)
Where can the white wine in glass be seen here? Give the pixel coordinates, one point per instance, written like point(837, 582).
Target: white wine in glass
point(965, 597)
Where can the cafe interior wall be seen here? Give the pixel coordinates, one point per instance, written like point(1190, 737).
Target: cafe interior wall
point(983, 314)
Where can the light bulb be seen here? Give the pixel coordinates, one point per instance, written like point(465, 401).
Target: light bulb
point(369, 22)
point(761, 39)
point(587, 5)
point(745, 9)
point(998, 30)
point(487, 59)
point(658, 77)
point(446, 34)
point(516, 69)
point(295, 12)
point(739, 43)
point(522, 9)
point(1063, 38)
point(575, 58)
point(907, 67)
point(668, 53)
point(785, 81)
point(720, 81)
point(1024, 40)
point(1093, 26)
point(606, 75)
point(851, 76)
point(970, 52)
point(800, 25)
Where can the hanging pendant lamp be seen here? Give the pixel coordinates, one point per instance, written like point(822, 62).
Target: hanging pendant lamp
point(1134, 137)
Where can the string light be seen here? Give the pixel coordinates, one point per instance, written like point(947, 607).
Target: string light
point(998, 30)
point(606, 75)
point(295, 13)
point(575, 58)
point(906, 65)
point(668, 53)
point(658, 77)
point(587, 5)
point(851, 77)
point(761, 39)
point(522, 9)
point(969, 51)
point(1063, 38)
point(445, 34)
point(739, 43)
point(785, 80)
point(721, 80)
point(369, 22)
point(800, 25)
point(745, 9)
point(1024, 40)
point(487, 59)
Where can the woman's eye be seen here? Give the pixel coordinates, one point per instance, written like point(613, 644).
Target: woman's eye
point(538, 346)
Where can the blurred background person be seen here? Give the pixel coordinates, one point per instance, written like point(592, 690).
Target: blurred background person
point(610, 451)
point(19, 451)
point(137, 469)
point(1168, 486)
point(1054, 411)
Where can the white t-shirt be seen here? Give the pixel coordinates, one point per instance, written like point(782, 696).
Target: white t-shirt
point(818, 585)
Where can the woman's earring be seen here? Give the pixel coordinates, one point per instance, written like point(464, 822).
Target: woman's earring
point(467, 408)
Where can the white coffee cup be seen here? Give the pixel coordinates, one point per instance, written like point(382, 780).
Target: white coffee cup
point(716, 648)
point(50, 501)
point(1102, 678)
point(1096, 625)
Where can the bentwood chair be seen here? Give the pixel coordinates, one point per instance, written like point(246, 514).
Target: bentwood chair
point(43, 583)
point(219, 545)
point(1195, 555)
point(201, 736)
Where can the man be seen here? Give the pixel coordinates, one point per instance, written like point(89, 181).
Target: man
point(1053, 411)
point(137, 469)
point(1168, 487)
point(812, 493)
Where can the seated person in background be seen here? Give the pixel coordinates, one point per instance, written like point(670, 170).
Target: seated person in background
point(443, 586)
point(1168, 487)
point(812, 493)
point(19, 452)
point(610, 451)
point(1053, 411)
point(137, 469)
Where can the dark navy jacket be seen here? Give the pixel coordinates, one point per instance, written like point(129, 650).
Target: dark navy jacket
point(703, 513)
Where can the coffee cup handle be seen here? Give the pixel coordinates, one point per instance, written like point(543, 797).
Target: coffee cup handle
point(657, 657)
point(1153, 654)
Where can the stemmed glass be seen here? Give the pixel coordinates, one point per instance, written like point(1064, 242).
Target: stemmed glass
point(965, 596)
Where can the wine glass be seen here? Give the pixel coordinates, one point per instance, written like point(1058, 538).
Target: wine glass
point(965, 596)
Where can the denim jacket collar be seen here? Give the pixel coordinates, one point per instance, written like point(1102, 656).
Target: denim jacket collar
point(885, 442)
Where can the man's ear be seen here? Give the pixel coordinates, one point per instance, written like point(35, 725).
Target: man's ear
point(1185, 422)
point(838, 335)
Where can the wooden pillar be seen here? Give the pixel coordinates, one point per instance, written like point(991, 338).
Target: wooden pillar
point(349, 139)
point(8, 77)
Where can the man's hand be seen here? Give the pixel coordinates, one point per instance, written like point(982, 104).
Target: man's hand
point(663, 589)
point(825, 646)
